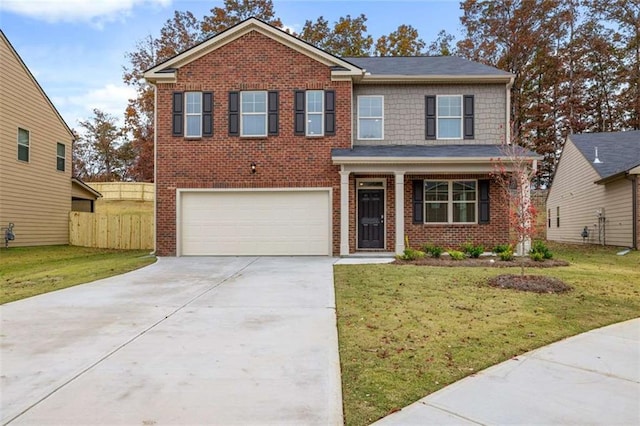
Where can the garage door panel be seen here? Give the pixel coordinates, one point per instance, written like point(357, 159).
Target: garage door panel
point(255, 223)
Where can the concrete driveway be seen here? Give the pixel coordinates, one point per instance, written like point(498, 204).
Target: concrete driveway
point(185, 341)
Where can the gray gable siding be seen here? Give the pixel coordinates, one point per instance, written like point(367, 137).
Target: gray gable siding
point(404, 113)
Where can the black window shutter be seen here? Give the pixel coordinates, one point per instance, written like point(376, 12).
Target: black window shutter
point(234, 113)
point(329, 112)
point(298, 107)
point(418, 201)
point(483, 204)
point(273, 113)
point(430, 116)
point(207, 114)
point(468, 117)
point(178, 110)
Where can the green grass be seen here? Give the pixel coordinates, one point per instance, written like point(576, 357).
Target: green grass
point(28, 271)
point(407, 331)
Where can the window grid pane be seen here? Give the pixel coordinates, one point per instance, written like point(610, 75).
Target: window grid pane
point(449, 117)
point(370, 117)
point(60, 157)
point(315, 113)
point(23, 145)
point(253, 113)
point(457, 197)
point(193, 116)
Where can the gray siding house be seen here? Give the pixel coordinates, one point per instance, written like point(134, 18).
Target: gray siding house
point(596, 189)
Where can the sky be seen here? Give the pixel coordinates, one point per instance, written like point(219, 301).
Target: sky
point(76, 48)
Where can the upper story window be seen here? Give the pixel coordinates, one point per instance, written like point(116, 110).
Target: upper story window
point(370, 117)
point(315, 113)
point(449, 117)
point(450, 201)
point(23, 145)
point(253, 113)
point(193, 116)
point(61, 157)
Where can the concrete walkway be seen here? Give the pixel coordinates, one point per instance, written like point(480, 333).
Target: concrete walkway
point(589, 379)
point(229, 341)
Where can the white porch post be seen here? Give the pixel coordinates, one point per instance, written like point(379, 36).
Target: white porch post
point(399, 191)
point(344, 213)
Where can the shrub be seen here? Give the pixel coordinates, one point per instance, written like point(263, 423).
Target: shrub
point(539, 247)
point(501, 248)
point(456, 255)
point(538, 257)
point(506, 255)
point(466, 247)
point(475, 251)
point(436, 251)
point(411, 254)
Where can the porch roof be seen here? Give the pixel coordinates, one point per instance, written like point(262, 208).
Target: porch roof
point(417, 154)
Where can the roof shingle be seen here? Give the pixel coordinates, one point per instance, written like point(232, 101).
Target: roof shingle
point(617, 151)
point(424, 66)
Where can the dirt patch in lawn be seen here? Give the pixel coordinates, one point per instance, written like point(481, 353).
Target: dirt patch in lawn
point(534, 283)
point(485, 261)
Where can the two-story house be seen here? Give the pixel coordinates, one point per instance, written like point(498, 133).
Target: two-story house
point(37, 191)
point(267, 145)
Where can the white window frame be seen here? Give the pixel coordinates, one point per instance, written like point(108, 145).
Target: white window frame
point(28, 145)
point(265, 113)
point(61, 157)
point(381, 118)
point(460, 117)
point(308, 113)
point(187, 114)
point(450, 202)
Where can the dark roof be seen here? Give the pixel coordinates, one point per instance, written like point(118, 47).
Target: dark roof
point(617, 151)
point(436, 151)
point(424, 65)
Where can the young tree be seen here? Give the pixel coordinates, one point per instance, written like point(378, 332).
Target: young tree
point(442, 45)
point(348, 37)
point(514, 172)
point(404, 41)
point(235, 11)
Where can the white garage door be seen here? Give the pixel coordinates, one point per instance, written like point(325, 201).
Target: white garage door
point(255, 223)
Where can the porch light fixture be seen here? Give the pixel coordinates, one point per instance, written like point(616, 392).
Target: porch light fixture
point(253, 168)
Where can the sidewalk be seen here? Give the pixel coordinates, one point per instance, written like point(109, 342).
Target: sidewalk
point(592, 378)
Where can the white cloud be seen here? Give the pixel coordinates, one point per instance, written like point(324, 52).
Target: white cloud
point(111, 98)
point(93, 11)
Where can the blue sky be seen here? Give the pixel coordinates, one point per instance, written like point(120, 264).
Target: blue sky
point(76, 48)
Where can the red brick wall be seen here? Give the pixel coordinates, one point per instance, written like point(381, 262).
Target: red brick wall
point(452, 235)
point(252, 62)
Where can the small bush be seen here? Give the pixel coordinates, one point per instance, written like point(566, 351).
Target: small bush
point(538, 247)
point(411, 254)
point(466, 247)
point(475, 251)
point(436, 251)
point(538, 257)
point(506, 255)
point(501, 248)
point(456, 255)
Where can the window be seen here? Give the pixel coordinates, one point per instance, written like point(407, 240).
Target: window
point(558, 217)
point(449, 117)
point(315, 113)
point(193, 116)
point(60, 157)
point(549, 218)
point(450, 201)
point(370, 117)
point(253, 113)
point(23, 145)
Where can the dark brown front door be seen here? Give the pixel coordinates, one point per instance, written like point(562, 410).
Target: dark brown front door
point(371, 218)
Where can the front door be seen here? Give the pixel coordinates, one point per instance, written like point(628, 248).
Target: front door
point(371, 218)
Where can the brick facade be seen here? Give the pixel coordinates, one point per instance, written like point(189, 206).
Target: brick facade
point(252, 62)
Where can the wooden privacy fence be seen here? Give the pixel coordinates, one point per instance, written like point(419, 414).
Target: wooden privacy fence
point(130, 191)
point(128, 231)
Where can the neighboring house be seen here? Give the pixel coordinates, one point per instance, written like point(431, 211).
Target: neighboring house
point(596, 187)
point(83, 196)
point(35, 146)
point(268, 145)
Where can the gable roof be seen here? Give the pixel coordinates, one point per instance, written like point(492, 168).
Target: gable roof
point(165, 71)
point(363, 70)
point(431, 67)
point(35, 82)
point(618, 152)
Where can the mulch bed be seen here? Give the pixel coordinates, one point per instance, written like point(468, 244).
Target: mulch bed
point(534, 283)
point(484, 261)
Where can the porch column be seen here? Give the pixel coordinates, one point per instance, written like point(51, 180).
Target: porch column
point(399, 188)
point(344, 213)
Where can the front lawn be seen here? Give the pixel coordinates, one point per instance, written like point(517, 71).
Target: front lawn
point(408, 330)
point(28, 271)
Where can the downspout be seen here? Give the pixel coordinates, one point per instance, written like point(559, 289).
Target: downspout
point(155, 162)
point(508, 112)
